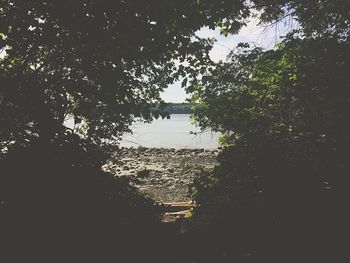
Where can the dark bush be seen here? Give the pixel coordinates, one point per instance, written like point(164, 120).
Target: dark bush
point(57, 204)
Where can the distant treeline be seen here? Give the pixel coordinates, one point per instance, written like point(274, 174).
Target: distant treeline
point(179, 108)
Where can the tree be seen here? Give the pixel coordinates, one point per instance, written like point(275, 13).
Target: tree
point(325, 18)
point(100, 63)
point(282, 184)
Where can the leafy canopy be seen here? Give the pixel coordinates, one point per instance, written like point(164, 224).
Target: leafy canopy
point(282, 183)
point(100, 62)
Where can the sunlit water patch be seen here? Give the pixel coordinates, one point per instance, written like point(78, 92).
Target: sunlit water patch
point(176, 132)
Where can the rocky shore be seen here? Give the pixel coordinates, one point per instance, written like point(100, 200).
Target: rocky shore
point(160, 173)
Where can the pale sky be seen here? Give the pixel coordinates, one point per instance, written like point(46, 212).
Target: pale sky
point(265, 37)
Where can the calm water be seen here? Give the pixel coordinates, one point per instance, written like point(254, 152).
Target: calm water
point(170, 133)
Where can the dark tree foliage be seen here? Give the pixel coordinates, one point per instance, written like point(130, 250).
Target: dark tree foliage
point(325, 18)
point(281, 191)
point(101, 63)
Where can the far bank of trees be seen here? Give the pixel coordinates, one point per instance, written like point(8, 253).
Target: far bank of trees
point(179, 108)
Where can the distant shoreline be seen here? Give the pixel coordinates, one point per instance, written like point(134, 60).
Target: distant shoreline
point(179, 108)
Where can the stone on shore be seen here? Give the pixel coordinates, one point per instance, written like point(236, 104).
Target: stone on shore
point(162, 174)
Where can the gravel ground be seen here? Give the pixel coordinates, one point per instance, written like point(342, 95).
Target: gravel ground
point(161, 174)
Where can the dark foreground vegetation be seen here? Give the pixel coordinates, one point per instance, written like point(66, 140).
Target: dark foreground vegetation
point(281, 190)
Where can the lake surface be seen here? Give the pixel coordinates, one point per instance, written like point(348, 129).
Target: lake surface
point(170, 133)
